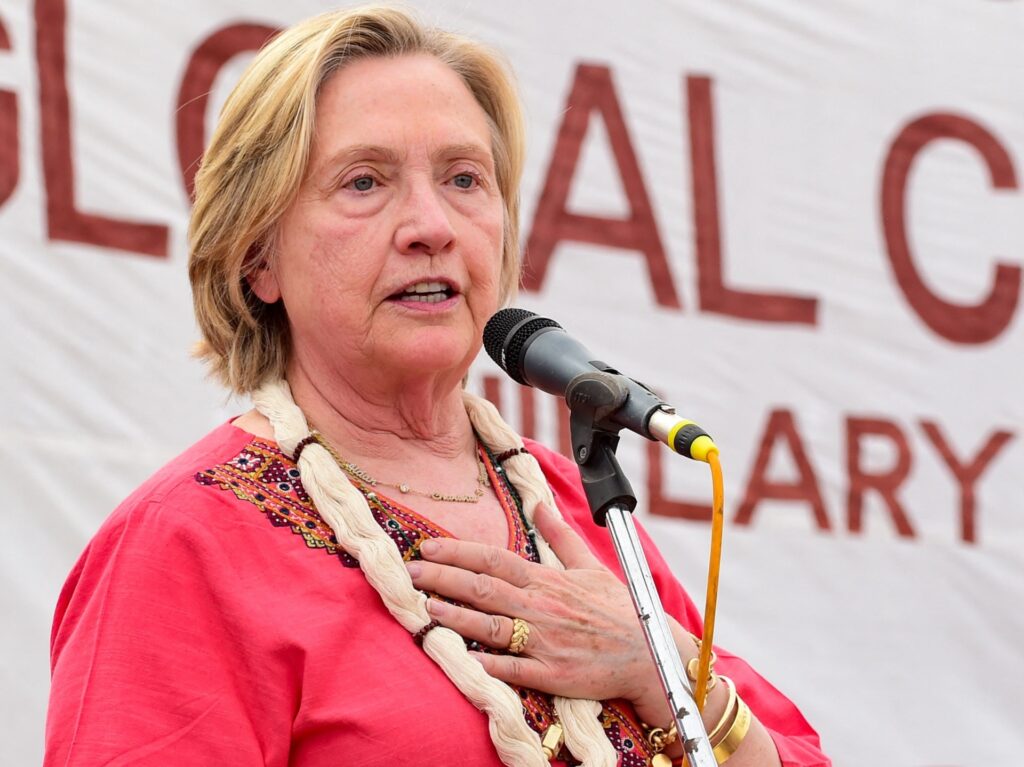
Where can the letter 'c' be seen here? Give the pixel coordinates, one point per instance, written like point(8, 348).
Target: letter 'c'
point(960, 323)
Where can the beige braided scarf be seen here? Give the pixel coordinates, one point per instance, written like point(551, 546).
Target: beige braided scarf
point(346, 511)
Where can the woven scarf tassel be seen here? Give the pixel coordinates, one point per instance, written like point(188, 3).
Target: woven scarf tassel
point(344, 508)
point(581, 725)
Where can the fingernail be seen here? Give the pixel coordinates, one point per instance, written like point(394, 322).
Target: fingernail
point(434, 607)
point(415, 569)
point(428, 547)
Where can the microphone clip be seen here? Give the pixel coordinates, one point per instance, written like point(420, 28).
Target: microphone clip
point(593, 398)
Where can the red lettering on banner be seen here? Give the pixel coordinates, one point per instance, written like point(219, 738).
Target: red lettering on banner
point(492, 391)
point(884, 483)
point(64, 221)
point(960, 323)
point(782, 425)
point(715, 295)
point(527, 413)
point(966, 474)
point(202, 69)
point(592, 90)
point(10, 169)
point(661, 506)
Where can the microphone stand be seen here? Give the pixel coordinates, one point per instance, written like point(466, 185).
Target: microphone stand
point(593, 397)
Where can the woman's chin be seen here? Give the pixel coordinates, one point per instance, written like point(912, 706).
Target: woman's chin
point(427, 352)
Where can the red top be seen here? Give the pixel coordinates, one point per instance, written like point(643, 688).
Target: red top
point(213, 620)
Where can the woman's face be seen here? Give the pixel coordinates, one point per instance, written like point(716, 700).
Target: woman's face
point(390, 258)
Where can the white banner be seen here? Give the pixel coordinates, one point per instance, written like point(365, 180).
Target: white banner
point(800, 222)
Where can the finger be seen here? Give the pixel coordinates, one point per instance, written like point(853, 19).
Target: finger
point(479, 558)
point(564, 541)
point(479, 590)
point(519, 670)
point(491, 630)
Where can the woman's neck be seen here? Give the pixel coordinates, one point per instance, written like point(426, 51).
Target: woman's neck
point(386, 419)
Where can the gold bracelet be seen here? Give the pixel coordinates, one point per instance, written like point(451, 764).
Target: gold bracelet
point(704, 685)
point(730, 707)
point(697, 641)
point(734, 737)
point(691, 672)
point(660, 739)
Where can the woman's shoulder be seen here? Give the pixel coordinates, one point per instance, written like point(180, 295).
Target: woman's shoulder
point(193, 521)
point(221, 444)
point(178, 495)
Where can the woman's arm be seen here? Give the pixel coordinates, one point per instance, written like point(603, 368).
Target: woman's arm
point(147, 662)
point(585, 640)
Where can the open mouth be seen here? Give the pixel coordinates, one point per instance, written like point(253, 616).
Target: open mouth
point(426, 292)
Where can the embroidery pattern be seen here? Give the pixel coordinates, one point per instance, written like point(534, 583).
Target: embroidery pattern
point(263, 476)
point(266, 478)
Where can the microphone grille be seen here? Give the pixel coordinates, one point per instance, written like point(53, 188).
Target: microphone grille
point(505, 335)
point(497, 330)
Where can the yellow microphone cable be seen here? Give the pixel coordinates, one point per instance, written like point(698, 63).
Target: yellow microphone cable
point(688, 439)
point(714, 568)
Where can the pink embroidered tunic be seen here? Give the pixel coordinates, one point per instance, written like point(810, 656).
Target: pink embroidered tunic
point(213, 619)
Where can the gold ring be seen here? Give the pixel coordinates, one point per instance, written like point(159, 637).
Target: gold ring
point(520, 636)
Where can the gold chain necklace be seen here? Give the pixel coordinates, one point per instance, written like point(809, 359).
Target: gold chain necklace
point(360, 474)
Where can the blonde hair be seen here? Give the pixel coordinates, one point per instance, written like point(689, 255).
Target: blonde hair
point(258, 158)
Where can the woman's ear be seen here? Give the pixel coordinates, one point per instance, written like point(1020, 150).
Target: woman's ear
point(263, 282)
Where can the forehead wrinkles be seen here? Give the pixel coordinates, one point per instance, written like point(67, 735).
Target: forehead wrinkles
point(387, 102)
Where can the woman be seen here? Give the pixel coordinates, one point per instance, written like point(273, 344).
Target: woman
point(355, 225)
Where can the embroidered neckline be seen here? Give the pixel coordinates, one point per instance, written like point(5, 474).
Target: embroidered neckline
point(262, 475)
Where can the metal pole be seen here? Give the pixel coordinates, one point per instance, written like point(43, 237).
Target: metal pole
point(659, 638)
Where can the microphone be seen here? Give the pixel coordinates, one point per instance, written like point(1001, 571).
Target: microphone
point(536, 351)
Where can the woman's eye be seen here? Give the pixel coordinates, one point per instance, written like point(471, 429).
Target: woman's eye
point(464, 180)
point(362, 184)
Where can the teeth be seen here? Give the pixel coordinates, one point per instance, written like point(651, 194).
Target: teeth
point(428, 298)
point(426, 287)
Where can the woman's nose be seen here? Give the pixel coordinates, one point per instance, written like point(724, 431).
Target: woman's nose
point(425, 225)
